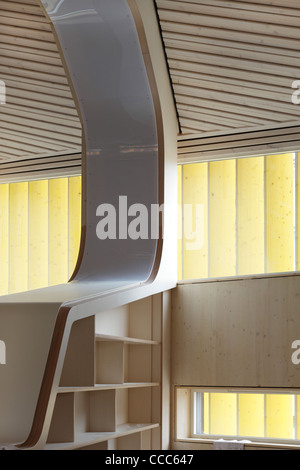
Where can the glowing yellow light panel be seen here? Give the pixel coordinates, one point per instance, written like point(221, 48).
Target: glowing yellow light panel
point(251, 215)
point(279, 213)
point(195, 213)
point(223, 414)
point(38, 235)
point(4, 238)
point(40, 229)
point(222, 218)
point(251, 414)
point(18, 237)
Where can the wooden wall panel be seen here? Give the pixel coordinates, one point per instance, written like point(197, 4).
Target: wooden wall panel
point(236, 333)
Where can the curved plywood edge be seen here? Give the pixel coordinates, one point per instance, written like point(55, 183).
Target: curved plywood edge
point(26, 332)
point(68, 314)
point(39, 322)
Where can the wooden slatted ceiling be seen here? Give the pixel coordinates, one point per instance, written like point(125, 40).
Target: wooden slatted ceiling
point(39, 118)
point(232, 63)
point(238, 144)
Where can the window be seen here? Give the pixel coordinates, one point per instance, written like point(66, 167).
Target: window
point(253, 415)
point(40, 227)
point(238, 216)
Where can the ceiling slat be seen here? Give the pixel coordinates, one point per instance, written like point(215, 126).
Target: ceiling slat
point(40, 117)
point(232, 61)
point(250, 143)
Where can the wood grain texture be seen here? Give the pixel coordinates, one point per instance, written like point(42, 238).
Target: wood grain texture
point(40, 117)
point(237, 58)
point(236, 332)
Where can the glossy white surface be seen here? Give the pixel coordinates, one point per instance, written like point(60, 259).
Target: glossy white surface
point(101, 48)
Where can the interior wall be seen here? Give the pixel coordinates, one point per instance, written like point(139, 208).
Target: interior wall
point(236, 332)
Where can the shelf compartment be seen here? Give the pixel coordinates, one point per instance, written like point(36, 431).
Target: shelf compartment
point(85, 411)
point(102, 408)
point(140, 320)
point(78, 368)
point(86, 439)
point(119, 362)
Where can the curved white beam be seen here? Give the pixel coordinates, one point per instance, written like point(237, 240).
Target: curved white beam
point(105, 63)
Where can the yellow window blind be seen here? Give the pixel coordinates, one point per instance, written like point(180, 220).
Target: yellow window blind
point(18, 237)
point(74, 228)
point(179, 223)
point(223, 414)
point(38, 234)
point(251, 414)
point(250, 216)
point(279, 412)
point(249, 219)
point(222, 218)
point(279, 213)
point(58, 231)
point(40, 227)
point(4, 238)
point(195, 211)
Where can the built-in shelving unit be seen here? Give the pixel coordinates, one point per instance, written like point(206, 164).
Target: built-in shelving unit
point(110, 389)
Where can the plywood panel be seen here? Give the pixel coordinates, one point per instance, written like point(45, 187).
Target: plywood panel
point(236, 333)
